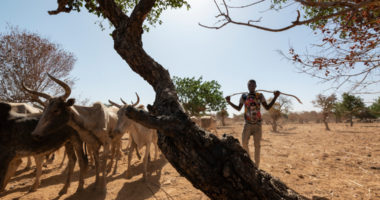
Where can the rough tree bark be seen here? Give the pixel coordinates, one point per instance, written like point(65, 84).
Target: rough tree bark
point(218, 167)
point(325, 119)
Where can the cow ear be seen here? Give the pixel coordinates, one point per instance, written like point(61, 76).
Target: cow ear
point(70, 102)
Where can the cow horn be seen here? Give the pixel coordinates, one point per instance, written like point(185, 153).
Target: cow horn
point(137, 102)
point(62, 84)
point(114, 104)
point(36, 99)
point(123, 101)
point(40, 94)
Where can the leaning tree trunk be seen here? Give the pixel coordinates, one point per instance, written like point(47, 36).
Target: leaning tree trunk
point(218, 167)
point(325, 118)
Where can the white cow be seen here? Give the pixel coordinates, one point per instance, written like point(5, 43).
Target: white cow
point(91, 123)
point(116, 136)
point(140, 136)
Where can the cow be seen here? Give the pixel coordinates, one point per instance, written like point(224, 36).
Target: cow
point(24, 108)
point(91, 123)
point(116, 136)
point(140, 136)
point(16, 141)
point(208, 123)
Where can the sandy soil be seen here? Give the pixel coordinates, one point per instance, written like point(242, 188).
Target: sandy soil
point(340, 164)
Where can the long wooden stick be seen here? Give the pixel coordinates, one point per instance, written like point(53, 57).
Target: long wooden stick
point(271, 92)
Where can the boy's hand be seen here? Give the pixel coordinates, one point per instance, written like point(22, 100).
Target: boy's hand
point(228, 98)
point(276, 93)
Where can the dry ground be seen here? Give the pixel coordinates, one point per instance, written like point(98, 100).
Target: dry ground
point(340, 164)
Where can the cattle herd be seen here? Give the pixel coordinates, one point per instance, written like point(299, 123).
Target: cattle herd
point(90, 135)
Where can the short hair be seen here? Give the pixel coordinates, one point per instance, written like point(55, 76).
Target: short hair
point(252, 81)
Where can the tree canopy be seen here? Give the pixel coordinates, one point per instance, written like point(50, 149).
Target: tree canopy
point(27, 57)
point(198, 96)
point(93, 6)
point(351, 106)
point(326, 103)
point(375, 107)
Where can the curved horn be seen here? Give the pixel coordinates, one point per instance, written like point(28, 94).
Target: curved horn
point(138, 100)
point(114, 104)
point(40, 94)
point(36, 99)
point(62, 84)
point(123, 101)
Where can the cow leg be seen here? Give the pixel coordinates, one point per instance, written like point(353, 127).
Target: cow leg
point(82, 160)
point(91, 158)
point(95, 153)
point(155, 150)
point(63, 159)
point(5, 161)
point(38, 159)
point(106, 149)
point(128, 148)
point(117, 154)
point(114, 146)
point(70, 169)
point(145, 161)
point(133, 146)
point(13, 165)
point(28, 164)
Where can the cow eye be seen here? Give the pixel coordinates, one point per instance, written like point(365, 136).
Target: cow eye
point(56, 111)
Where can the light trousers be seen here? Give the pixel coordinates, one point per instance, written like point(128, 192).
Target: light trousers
point(256, 131)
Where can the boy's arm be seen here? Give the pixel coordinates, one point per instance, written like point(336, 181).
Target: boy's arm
point(238, 108)
point(266, 106)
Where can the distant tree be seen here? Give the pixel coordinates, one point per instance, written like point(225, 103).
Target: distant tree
point(366, 114)
point(198, 96)
point(326, 103)
point(279, 109)
point(349, 32)
point(27, 57)
point(352, 106)
point(338, 111)
point(375, 108)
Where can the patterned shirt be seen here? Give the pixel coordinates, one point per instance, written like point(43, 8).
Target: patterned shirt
point(252, 102)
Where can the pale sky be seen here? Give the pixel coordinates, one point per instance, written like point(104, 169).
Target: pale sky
point(231, 55)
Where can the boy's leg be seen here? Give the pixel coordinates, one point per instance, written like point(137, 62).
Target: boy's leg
point(245, 137)
point(257, 142)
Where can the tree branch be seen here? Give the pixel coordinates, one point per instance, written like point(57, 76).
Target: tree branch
point(112, 12)
point(141, 11)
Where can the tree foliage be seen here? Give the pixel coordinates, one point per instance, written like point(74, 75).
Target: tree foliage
point(326, 103)
point(350, 35)
point(198, 96)
point(27, 57)
point(375, 107)
point(126, 6)
point(351, 106)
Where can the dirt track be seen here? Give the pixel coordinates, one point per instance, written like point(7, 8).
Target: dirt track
point(341, 164)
